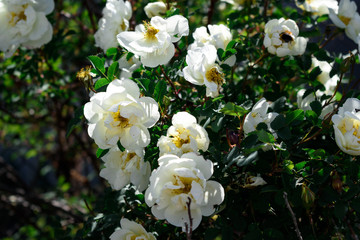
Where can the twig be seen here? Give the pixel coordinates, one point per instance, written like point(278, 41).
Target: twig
point(336, 89)
point(329, 39)
point(89, 208)
point(169, 81)
point(298, 233)
point(187, 227)
point(253, 65)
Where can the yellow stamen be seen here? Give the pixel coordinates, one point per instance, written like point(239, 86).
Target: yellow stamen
point(347, 123)
point(213, 75)
point(345, 20)
point(123, 26)
point(178, 141)
point(122, 122)
point(16, 17)
point(184, 183)
point(150, 31)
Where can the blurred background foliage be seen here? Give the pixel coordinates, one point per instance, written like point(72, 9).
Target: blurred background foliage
point(49, 184)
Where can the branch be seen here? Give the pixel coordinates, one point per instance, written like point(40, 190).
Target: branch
point(298, 233)
point(187, 227)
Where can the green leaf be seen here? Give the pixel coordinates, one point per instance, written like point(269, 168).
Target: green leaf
point(284, 133)
point(160, 90)
point(231, 44)
point(101, 82)
point(233, 110)
point(295, 116)
point(314, 73)
point(278, 122)
point(220, 53)
point(217, 124)
point(322, 55)
point(129, 56)
point(113, 70)
point(316, 107)
point(101, 152)
point(265, 137)
point(322, 18)
point(279, 104)
point(75, 121)
point(247, 160)
point(98, 64)
point(312, 116)
point(234, 153)
point(120, 146)
point(111, 52)
point(228, 53)
point(313, 47)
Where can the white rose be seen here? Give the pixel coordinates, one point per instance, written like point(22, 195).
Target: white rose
point(304, 103)
point(330, 83)
point(201, 38)
point(155, 9)
point(202, 69)
point(319, 7)
point(253, 181)
point(281, 38)
point(346, 127)
point(353, 29)
point(24, 23)
point(131, 230)
point(220, 36)
point(153, 42)
point(347, 10)
point(119, 114)
point(179, 181)
point(122, 168)
point(185, 135)
point(347, 18)
point(258, 115)
point(116, 16)
point(128, 66)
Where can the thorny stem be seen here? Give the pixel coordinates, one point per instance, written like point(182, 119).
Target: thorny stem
point(336, 89)
point(89, 208)
point(352, 71)
point(252, 66)
point(187, 227)
point(298, 233)
point(169, 81)
point(329, 39)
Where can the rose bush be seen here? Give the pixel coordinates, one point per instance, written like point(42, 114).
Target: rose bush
point(110, 121)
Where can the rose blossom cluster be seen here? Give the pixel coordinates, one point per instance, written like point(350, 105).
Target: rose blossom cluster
point(180, 189)
point(202, 60)
point(24, 23)
point(120, 117)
